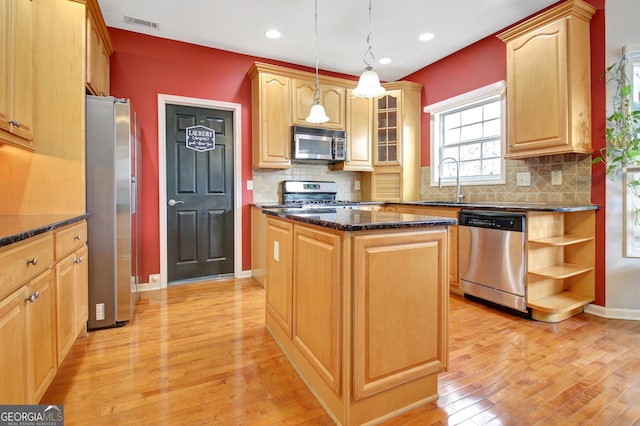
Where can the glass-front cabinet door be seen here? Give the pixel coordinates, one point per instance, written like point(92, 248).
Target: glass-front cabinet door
point(388, 126)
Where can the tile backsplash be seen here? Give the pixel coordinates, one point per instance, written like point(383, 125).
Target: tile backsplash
point(267, 187)
point(575, 187)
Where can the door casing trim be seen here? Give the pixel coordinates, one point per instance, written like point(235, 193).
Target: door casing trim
point(163, 101)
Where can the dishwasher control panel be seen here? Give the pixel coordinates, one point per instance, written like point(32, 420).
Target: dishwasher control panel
point(506, 221)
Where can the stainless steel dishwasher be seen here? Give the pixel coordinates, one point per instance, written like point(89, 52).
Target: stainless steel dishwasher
point(491, 257)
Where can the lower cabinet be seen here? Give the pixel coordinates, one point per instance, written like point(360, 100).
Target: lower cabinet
point(41, 335)
point(278, 277)
point(451, 212)
point(560, 263)
point(27, 341)
point(362, 315)
point(43, 308)
point(71, 286)
point(13, 348)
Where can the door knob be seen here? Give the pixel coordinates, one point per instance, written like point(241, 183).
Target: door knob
point(173, 202)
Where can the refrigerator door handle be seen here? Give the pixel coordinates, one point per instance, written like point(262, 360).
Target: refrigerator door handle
point(173, 202)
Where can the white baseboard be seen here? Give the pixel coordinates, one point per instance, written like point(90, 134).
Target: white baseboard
point(245, 274)
point(612, 313)
point(148, 287)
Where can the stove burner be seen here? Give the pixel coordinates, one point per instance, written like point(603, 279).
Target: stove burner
point(312, 194)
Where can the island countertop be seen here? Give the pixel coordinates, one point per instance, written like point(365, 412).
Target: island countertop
point(347, 219)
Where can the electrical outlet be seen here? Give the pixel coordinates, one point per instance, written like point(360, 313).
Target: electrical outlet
point(154, 278)
point(356, 185)
point(523, 179)
point(556, 177)
point(249, 185)
point(276, 251)
point(99, 311)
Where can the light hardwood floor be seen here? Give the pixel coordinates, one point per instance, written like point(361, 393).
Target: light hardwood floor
point(199, 354)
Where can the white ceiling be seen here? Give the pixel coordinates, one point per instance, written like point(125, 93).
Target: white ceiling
point(240, 26)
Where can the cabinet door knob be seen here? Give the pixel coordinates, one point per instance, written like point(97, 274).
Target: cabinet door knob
point(78, 260)
point(33, 261)
point(77, 238)
point(32, 298)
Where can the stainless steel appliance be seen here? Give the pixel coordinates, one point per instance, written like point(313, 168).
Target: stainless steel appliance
point(309, 193)
point(491, 257)
point(111, 171)
point(314, 144)
point(313, 199)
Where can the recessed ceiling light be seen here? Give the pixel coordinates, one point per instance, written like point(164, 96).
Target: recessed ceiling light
point(273, 34)
point(385, 61)
point(426, 37)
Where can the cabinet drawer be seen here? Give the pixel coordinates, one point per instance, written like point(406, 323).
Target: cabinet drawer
point(23, 261)
point(70, 239)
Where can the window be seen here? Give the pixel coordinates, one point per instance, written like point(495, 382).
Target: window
point(634, 61)
point(470, 130)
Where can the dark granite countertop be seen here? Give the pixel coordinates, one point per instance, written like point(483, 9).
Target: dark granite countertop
point(484, 205)
point(346, 219)
point(20, 227)
point(517, 206)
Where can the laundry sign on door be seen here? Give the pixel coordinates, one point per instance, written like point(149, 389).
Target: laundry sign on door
point(201, 138)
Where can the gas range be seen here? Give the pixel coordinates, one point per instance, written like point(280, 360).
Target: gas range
point(312, 195)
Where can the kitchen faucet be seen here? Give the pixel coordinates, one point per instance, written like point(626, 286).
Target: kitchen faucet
point(459, 196)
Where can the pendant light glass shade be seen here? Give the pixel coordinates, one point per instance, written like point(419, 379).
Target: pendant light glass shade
point(317, 114)
point(369, 83)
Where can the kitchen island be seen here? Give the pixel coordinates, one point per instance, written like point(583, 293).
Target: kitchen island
point(358, 301)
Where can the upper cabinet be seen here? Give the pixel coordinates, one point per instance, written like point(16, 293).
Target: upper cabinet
point(396, 145)
point(271, 118)
point(16, 72)
point(388, 128)
point(359, 127)
point(98, 51)
point(332, 99)
point(548, 82)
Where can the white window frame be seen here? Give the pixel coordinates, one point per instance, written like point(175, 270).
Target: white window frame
point(474, 96)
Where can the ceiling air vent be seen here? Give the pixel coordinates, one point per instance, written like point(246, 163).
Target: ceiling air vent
point(143, 22)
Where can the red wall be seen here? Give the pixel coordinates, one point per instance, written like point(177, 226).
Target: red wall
point(143, 67)
point(484, 63)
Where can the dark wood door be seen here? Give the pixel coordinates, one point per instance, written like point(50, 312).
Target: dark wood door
point(199, 195)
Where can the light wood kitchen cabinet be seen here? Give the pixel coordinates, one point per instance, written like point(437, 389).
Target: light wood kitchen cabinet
point(40, 311)
point(332, 99)
point(359, 127)
point(71, 283)
point(364, 318)
point(98, 51)
point(271, 119)
point(16, 72)
point(386, 351)
point(13, 348)
point(396, 145)
point(258, 245)
point(560, 263)
point(27, 333)
point(451, 212)
point(317, 301)
point(279, 278)
point(548, 83)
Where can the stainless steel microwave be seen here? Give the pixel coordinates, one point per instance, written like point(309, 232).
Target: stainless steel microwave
point(314, 144)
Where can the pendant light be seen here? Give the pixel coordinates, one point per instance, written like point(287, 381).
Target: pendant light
point(369, 83)
point(317, 114)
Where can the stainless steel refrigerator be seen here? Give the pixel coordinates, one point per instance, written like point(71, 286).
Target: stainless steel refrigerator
point(111, 171)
